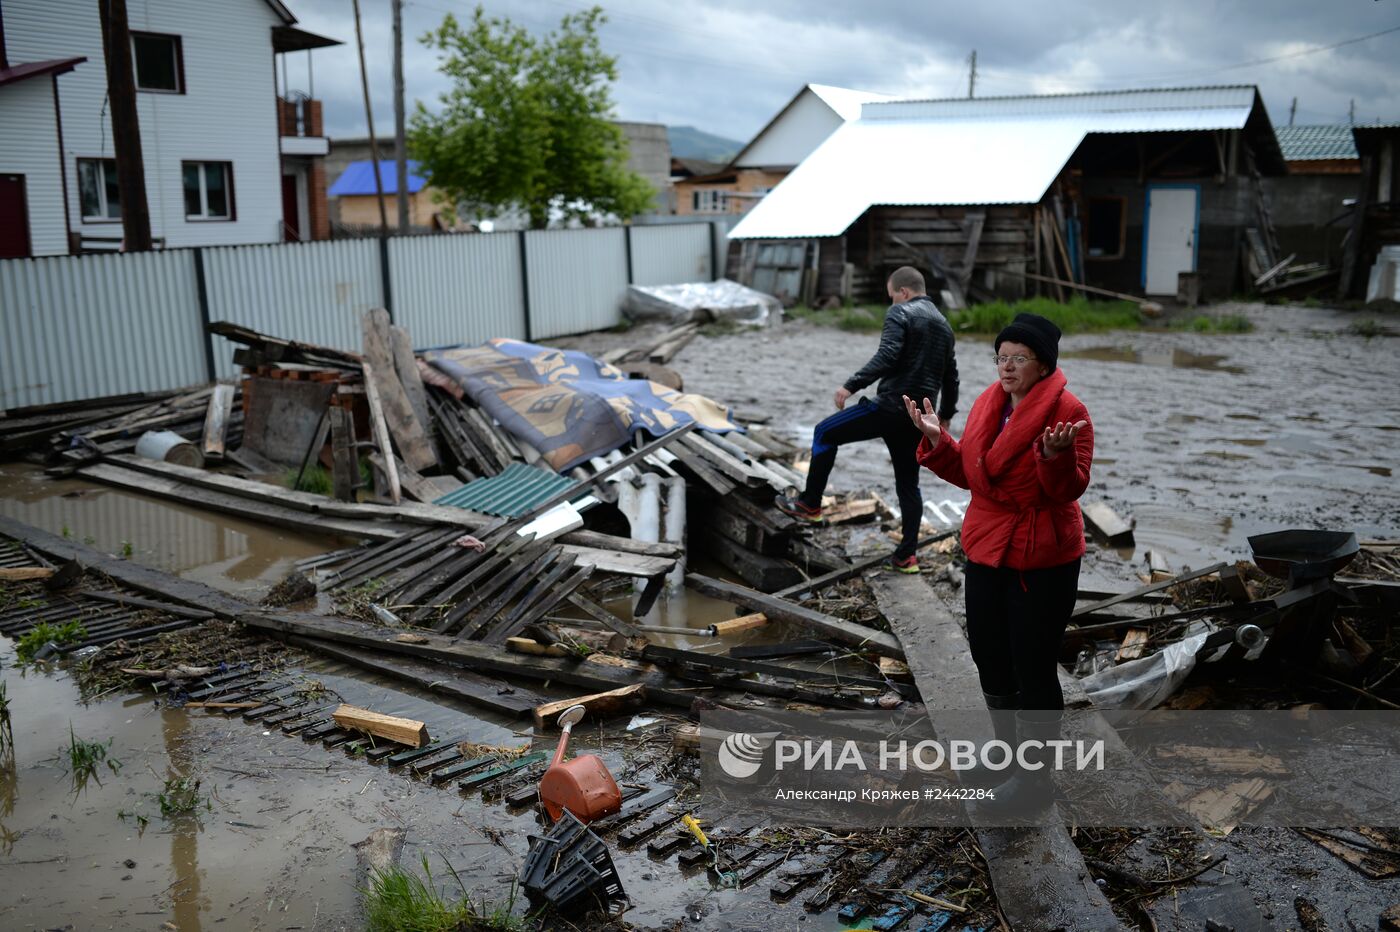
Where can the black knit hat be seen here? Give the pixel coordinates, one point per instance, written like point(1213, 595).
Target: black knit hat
point(1041, 335)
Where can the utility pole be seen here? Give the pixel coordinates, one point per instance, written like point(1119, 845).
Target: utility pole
point(126, 126)
point(1292, 110)
point(369, 117)
point(400, 150)
point(972, 74)
point(1351, 111)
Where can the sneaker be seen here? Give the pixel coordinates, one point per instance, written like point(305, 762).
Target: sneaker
point(907, 565)
point(795, 507)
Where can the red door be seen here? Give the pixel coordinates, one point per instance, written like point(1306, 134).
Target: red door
point(291, 223)
point(14, 218)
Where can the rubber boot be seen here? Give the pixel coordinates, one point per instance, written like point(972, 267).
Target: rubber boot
point(1030, 790)
point(1002, 709)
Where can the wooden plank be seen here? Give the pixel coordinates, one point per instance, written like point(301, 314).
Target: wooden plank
point(406, 367)
point(1106, 524)
point(780, 610)
point(408, 732)
point(1133, 644)
point(248, 509)
point(486, 776)
point(345, 466)
point(382, 379)
point(736, 625)
point(22, 573)
point(1037, 873)
point(849, 572)
point(478, 657)
point(1145, 590)
point(380, 430)
point(603, 616)
point(216, 420)
point(598, 704)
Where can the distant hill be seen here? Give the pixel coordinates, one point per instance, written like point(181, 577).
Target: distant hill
point(687, 142)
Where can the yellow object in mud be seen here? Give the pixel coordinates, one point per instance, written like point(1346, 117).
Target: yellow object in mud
point(690, 822)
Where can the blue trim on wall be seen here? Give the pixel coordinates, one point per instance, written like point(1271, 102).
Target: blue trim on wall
point(1147, 226)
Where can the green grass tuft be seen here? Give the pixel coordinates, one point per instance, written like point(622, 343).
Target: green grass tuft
point(1201, 323)
point(856, 319)
point(1078, 315)
point(399, 900)
point(84, 757)
point(316, 479)
point(42, 633)
point(180, 796)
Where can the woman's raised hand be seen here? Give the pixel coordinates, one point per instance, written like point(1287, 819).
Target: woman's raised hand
point(1059, 438)
point(925, 419)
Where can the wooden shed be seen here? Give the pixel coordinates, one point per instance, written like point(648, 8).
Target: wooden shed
point(1122, 190)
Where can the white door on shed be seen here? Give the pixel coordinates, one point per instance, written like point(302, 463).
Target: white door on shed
point(1171, 237)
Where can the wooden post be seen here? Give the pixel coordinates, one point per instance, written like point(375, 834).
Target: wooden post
point(216, 420)
point(400, 150)
point(381, 434)
point(344, 464)
point(126, 126)
point(369, 120)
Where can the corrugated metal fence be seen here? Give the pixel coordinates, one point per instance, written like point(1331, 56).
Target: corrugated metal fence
point(74, 327)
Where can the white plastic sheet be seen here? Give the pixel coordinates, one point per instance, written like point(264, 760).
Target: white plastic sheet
point(1147, 682)
point(701, 301)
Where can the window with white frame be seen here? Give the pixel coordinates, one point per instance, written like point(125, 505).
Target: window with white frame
point(710, 201)
point(99, 196)
point(208, 190)
point(158, 62)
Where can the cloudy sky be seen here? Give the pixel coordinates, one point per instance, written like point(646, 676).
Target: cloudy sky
point(726, 66)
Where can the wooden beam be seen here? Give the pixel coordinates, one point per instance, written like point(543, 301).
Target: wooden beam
point(776, 609)
point(380, 430)
point(390, 727)
point(216, 420)
point(1144, 590)
point(855, 569)
point(597, 704)
point(382, 373)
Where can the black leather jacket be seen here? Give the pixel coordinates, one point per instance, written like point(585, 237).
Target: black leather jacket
point(915, 358)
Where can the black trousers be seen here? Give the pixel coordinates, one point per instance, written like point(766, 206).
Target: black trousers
point(1015, 621)
point(867, 421)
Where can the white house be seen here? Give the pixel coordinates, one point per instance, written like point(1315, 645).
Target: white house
point(806, 121)
point(228, 159)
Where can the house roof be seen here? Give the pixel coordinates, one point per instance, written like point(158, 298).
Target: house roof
point(36, 68)
point(996, 150)
point(1310, 143)
point(844, 102)
point(358, 178)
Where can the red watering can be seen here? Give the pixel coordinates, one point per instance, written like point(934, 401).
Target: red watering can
point(583, 785)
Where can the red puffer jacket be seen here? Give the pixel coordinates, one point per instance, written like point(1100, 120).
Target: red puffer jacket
point(1024, 512)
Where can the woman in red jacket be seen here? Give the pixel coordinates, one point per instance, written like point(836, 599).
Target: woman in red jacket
point(1025, 456)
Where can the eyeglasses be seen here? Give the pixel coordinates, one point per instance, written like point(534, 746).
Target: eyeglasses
point(1016, 361)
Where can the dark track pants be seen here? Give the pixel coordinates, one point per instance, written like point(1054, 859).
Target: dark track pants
point(1015, 620)
point(867, 421)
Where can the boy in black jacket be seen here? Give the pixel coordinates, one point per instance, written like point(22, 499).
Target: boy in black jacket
point(915, 358)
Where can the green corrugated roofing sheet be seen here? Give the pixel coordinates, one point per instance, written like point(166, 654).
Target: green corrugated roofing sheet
point(510, 494)
point(1303, 143)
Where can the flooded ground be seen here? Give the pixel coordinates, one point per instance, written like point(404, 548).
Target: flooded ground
point(1204, 439)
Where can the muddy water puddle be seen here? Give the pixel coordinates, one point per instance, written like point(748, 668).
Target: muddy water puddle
point(1174, 358)
point(241, 557)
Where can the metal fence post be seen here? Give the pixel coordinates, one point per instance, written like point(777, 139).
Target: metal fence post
point(714, 252)
point(627, 242)
point(525, 288)
point(385, 285)
point(202, 291)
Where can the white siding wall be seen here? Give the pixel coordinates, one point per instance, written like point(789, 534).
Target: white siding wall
point(227, 113)
point(29, 147)
point(795, 134)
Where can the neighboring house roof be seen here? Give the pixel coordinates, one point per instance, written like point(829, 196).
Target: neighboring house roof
point(36, 68)
point(1312, 143)
point(843, 102)
point(1369, 136)
point(696, 167)
point(997, 150)
point(358, 178)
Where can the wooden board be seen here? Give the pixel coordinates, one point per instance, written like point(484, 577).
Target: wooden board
point(406, 366)
point(380, 430)
point(216, 420)
point(405, 731)
point(283, 417)
point(776, 609)
point(22, 573)
point(1105, 523)
point(597, 704)
point(382, 374)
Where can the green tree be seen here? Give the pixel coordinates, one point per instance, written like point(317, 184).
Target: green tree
point(526, 123)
